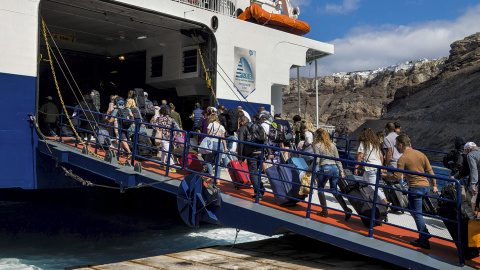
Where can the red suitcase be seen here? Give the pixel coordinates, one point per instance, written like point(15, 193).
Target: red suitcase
point(192, 163)
point(240, 175)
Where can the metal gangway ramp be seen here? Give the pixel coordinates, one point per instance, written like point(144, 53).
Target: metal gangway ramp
point(204, 198)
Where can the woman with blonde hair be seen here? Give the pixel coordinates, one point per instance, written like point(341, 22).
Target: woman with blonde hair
point(328, 170)
point(135, 111)
point(215, 129)
point(369, 151)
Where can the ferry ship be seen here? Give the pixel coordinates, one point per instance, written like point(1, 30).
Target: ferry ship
point(229, 52)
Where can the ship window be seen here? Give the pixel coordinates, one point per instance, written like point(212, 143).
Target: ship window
point(190, 61)
point(156, 68)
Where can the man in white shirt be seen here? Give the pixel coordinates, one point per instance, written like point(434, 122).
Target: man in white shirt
point(239, 108)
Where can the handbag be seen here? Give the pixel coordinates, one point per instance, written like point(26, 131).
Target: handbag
point(474, 233)
point(361, 168)
point(206, 147)
point(157, 141)
point(306, 178)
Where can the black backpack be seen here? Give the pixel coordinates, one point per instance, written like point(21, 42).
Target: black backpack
point(139, 97)
point(150, 110)
point(136, 114)
point(256, 133)
point(232, 121)
point(144, 144)
point(277, 132)
point(123, 113)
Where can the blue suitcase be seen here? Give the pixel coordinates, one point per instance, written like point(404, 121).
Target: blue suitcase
point(299, 162)
point(290, 174)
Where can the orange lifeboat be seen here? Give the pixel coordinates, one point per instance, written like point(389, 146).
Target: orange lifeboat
point(254, 13)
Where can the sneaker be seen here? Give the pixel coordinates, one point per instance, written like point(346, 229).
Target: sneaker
point(421, 244)
point(173, 170)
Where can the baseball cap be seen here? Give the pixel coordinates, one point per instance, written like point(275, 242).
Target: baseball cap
point(145, 94)
point(468, 145)
point(121, 101)
point(49, 98)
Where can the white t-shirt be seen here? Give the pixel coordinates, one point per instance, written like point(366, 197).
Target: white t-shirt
point(370, 155)
point(216, 129)
point(389, 142)
point(247, 115)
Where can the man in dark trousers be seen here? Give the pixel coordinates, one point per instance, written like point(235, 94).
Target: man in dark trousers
point(50, 116)
point(415, 161)
point(253, 153)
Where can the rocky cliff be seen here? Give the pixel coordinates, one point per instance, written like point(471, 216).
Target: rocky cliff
point(437, 91)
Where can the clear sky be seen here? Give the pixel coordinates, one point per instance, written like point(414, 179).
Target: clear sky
point(369, 34)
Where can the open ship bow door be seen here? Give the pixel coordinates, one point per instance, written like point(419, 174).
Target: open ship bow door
point(197, 201)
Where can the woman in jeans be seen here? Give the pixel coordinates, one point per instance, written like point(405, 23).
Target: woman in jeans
point(369, 151)
point(328, 170)
point(215, 129)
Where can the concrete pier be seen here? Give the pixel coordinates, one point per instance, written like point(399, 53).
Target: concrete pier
point(289, 252)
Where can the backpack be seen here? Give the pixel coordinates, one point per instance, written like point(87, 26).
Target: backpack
point(256, 133)
point(139, 97)
point(232, 121)
point(96, 99)
point(149, 110)
point(123, 113)
point(277, 133)
point(136, 113)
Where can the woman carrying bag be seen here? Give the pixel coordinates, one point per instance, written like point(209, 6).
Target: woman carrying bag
point(369, 152)
point(328, 170)
point(215, 129)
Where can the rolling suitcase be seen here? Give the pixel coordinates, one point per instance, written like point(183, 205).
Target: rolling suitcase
point(192, 163)
point(396, 197)
point(289, 174)
point(430, 205)
point(239, 173)
point(363, 208)
point(299, 162)
point(449, 210)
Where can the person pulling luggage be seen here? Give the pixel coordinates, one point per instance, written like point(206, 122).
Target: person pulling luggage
point(328, 170)
point(252, 132)
point(415, 161)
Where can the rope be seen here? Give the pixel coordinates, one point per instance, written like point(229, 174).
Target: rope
point(209, 82)
point(65, 76)
point(235, 241)
point(61, 98)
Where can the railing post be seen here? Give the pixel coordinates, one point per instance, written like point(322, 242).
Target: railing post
point(61, 126)
point(312, 181)
point(374, 206)
point(76, 128)
point(217, 162)
point(169, 153)
point(135, 141)
point(120, 129)
point(461, 259)
point(257, 191)
point(186, 146)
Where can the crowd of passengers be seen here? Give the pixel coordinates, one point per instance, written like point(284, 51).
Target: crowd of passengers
point(389, 147)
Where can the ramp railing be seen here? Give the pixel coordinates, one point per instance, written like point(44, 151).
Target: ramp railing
point(263, 161)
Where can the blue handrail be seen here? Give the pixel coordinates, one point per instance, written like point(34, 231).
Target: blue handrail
point(264, 148)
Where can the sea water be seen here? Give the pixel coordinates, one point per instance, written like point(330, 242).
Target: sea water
point(63, 228)
point(60, 251)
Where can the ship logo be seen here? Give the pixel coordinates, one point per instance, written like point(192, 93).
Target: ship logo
point(243, 70)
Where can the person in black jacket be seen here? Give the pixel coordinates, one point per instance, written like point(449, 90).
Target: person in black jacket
point(457, 162)
point(87, 116)
point(253, 153)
